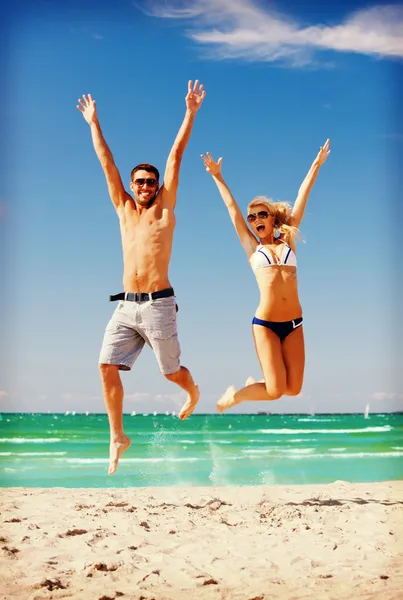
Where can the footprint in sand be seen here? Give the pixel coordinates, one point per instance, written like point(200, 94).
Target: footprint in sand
point(71, 532)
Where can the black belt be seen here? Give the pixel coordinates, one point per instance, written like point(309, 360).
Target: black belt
point(142, 296)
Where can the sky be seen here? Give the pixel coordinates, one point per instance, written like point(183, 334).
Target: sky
point(280, 79)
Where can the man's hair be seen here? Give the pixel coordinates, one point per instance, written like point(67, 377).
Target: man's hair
point(145, 167)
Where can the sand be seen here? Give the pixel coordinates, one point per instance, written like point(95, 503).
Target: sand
point(335, 541)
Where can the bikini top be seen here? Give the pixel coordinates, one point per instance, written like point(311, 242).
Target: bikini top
point(263, 257)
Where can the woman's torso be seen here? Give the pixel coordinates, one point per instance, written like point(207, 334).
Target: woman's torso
point(275, 268)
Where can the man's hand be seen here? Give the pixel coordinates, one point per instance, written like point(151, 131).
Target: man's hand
point(212, 167)
point(323, 153)
point(88, 109)
point(195, 96)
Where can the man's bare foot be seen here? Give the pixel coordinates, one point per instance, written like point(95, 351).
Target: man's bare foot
point(190, 404)
point(116, 450)
point(227, 399)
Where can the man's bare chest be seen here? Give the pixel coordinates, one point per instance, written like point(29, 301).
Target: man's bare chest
point(147, 230)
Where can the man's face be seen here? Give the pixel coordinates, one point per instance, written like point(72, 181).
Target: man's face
point(144, 187)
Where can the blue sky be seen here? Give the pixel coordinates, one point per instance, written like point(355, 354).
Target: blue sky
point(280, 79)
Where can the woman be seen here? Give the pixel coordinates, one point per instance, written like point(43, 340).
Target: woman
point(270, 248)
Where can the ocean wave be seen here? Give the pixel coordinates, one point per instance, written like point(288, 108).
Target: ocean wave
point(84, 461)
point(20, 440)
point(300, 431)
point(280, 450)
point(33, 453)
point(352, 455)
point(312, 420)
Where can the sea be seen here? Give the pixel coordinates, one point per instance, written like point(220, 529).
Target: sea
point(71, 450)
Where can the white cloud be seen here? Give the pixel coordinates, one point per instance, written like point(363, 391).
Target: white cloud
point(246, 30)
point(386, 396)
point(177, 399)
point(137, 396)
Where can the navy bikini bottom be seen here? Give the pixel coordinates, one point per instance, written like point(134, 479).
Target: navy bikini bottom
point(280, 328)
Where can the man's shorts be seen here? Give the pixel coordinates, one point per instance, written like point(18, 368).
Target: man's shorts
point(135, 323)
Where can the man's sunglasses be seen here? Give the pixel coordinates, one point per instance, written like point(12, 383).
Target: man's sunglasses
point(262, 214)
point(142, 181)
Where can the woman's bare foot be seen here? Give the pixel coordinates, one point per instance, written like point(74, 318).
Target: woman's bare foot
point(116, 450)
point(190, 404)
point(227, 399)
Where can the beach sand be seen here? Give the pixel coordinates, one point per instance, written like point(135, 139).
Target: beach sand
point(334, 541)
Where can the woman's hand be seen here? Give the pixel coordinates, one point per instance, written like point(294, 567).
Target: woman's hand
point(212, 167)
point(323, 153)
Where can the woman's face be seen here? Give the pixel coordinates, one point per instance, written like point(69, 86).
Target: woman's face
point(260, 221)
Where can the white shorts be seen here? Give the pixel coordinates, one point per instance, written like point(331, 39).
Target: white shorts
point(135, 323)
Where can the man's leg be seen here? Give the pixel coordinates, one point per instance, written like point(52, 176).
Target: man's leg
point(184, 379)
point(159, 318)
point(113, 396)
point(120, 348)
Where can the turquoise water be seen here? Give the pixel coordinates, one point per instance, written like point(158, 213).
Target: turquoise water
point(49, 450)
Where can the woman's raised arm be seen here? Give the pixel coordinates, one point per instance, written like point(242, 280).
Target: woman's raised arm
point(246, 238)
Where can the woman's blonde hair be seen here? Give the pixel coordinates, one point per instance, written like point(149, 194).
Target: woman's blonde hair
point(280, 211)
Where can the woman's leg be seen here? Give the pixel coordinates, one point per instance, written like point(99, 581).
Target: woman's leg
point(269, 351)
point(293, 349)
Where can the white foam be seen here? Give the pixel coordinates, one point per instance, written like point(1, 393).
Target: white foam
point(33, 453)
point(18, 440)
point(311, 420)
point(354, 455)
point(300, 431)
point(85, 461)
point(279, 450)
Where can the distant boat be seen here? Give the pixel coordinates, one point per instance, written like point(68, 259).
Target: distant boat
point(173, 413)
point(133, 413)
point(67, 412)
point(366, 411)
point(312, 412)
point(87, 413)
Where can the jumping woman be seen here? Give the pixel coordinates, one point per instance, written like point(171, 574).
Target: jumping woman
point(271, 251)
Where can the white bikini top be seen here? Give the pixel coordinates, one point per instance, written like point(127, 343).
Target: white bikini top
point(263, 257)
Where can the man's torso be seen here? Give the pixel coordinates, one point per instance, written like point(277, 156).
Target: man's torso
point(147, 245)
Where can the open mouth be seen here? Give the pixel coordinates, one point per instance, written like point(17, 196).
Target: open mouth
point(260, 228)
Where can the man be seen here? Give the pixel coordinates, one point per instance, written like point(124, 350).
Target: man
point(147, 307)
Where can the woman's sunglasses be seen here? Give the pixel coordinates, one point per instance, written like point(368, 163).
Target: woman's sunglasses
point(262, 214)
point(142, 181)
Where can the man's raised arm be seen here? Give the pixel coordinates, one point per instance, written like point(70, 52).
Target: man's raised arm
point(194, 100)
point(118, 195)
